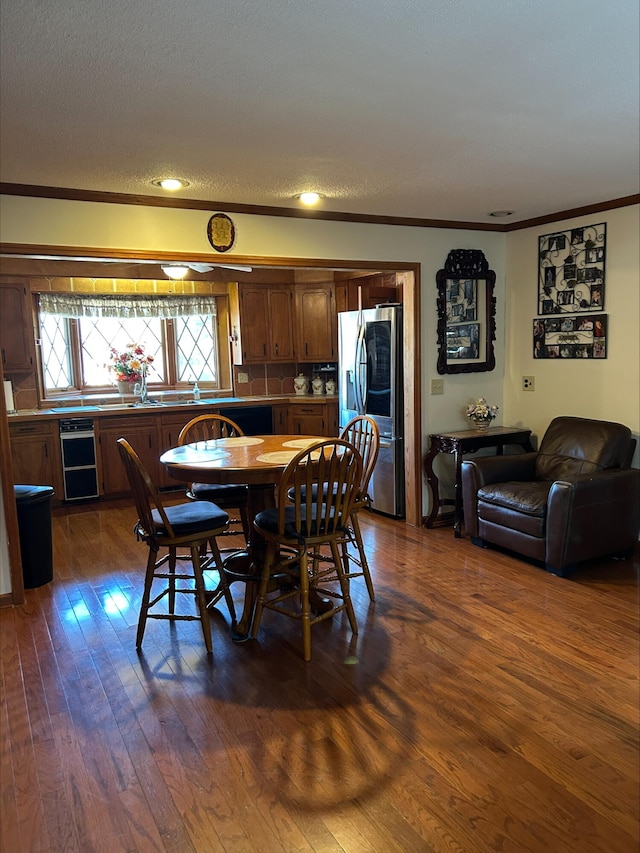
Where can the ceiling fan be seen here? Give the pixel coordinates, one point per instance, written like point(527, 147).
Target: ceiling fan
point(169, 268)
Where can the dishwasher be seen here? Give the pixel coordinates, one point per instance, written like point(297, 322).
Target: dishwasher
point(79, 465)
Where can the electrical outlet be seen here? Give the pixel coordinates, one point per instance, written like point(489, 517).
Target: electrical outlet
point(437, 386)
point(528, 383)
point(243, 378)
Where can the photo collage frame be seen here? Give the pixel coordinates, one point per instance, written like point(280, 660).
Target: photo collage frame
point(571, 280)
point(570, 337)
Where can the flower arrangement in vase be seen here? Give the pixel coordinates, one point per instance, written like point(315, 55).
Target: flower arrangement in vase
point(129, 365)
point(481, 413)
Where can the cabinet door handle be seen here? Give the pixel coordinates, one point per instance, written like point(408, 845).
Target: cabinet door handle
point(46, 451)
point(276, 348)
point(264, 349)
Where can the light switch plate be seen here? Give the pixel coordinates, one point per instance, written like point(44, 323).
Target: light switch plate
point(243, 378)
point(437, 386)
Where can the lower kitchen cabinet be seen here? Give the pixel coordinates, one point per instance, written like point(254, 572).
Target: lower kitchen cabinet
point(280, 419)
point(35, 455)
point(142, 435)
point(170, 428)
point(312, 419)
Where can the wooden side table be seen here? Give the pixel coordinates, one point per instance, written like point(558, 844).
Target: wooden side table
point(459, 443)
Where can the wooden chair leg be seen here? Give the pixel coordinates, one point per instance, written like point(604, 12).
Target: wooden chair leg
point(344, 587)
point(224, 582)
point(269, 557)
point(305, 605)
point(146, 595)
point(201, 600)
point(363, 557)
point(172, 580)
point(245, 521)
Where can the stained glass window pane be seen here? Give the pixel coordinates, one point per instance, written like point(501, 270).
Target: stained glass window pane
point(56, 354)
point(196, 349)
point(98, 335)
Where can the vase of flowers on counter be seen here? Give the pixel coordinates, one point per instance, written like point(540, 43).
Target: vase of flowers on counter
point(481, 413)
point(128, 366)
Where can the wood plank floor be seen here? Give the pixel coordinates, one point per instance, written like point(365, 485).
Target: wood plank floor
point(484, 706)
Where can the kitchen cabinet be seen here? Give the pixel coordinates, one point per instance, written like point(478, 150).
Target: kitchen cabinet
point(261, 323)
point(170, 427)
point(316, 323)
point(35, 455)
point(332, 418)
point(142, 434)
point(16, 335)
point(280, 419)
point(370, 290)
point(310, 419)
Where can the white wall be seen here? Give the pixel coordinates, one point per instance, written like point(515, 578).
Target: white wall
point(72, 223)
point(607, 389)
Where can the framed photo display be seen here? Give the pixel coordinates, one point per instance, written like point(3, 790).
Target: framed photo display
point(570, 337)
point(571, 275)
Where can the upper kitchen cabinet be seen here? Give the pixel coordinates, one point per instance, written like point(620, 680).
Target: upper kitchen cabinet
point(316, 322)
point(16, 335)
point(261, 323)
point(370, 290)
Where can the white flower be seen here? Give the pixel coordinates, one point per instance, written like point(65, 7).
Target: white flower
point(480, 410)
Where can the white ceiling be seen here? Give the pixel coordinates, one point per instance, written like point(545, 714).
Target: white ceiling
point(438, 109)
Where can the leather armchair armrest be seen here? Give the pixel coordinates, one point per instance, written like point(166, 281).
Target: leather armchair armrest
point(483, 470)
point(592, 515)
point(503, 469)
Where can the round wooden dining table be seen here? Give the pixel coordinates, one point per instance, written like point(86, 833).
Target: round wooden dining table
point(257, 460)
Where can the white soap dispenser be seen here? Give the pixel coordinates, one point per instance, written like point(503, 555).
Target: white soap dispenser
point(196, 391)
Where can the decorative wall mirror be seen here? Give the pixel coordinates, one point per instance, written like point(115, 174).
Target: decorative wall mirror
point(466, 313)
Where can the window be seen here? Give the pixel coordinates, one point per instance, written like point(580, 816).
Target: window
point(77, 334)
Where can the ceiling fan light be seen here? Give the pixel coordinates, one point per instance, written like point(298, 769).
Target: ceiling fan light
point(175, 271)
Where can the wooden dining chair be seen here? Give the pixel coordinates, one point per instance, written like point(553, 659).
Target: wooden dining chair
point(188, 525)
point(311, 518)
point(361, 431)
point(208, 428)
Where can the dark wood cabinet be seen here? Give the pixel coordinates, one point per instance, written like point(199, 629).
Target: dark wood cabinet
point(16, 335)
point(313, 418)
point(142, 434)
point(280, 419)
point(316, 323)
point(261, 323)
point(371, 290)
point(35, 454)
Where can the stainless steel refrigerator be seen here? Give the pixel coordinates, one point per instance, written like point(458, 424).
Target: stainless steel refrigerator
point(370, 351)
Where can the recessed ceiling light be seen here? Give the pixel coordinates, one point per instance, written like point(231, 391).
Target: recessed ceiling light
point(309, 198)
point(500, 213)
point(171, 184)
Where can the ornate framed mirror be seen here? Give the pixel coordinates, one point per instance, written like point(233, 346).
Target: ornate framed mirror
point(466, 313)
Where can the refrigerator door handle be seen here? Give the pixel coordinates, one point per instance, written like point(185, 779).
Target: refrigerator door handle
point(361, 366)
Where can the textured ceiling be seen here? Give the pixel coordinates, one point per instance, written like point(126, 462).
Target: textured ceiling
point(438, 109)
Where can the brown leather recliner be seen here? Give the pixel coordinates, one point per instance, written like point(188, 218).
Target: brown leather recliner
point(573, 500)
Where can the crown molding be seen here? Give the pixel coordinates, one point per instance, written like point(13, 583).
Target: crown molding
point(67, 194)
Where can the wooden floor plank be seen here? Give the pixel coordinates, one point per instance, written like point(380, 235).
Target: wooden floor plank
point(483, 706)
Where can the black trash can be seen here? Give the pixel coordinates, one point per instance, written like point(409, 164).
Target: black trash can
point(34, 525)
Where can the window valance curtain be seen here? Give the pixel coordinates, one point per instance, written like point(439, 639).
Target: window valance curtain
point(91, 305)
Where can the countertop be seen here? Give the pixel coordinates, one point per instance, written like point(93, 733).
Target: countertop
point(104, 409)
